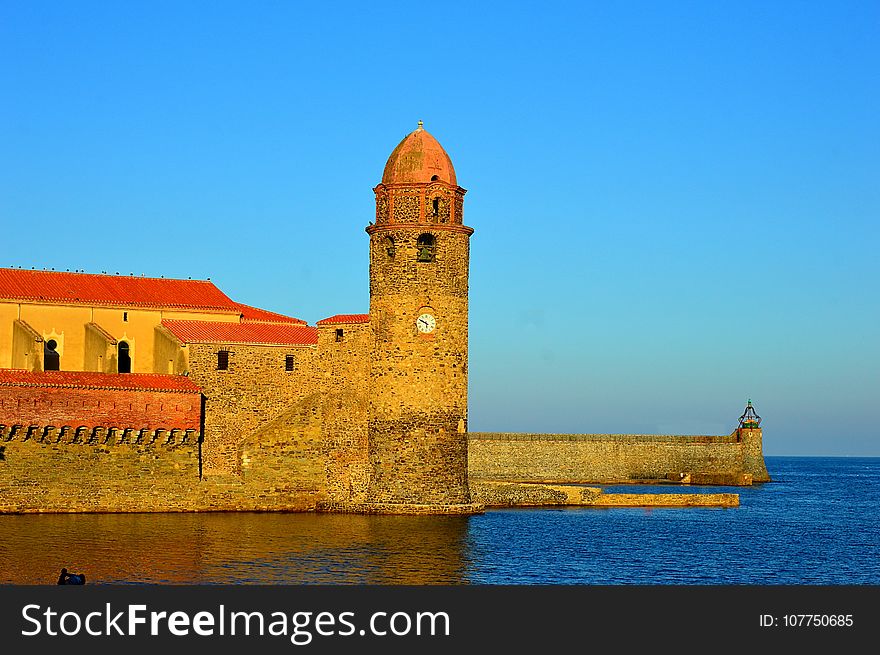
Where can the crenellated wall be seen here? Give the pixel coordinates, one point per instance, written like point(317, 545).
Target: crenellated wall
point(101, 471)
point(292, 464)
point(111, 470)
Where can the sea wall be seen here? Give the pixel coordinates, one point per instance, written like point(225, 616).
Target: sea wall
point(614, 458)
point(284, 467)
point(524, 494)
point(113, 473)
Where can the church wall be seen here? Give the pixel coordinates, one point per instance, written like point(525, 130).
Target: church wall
point(100, 353)
point(168, 355)
point(63, 323)
point(253, 391)
point(8, 314)
point(345, 379)
point(27, 350)
point(76, 348)
point(285, 458)
point(137, 332)
point(137, 327)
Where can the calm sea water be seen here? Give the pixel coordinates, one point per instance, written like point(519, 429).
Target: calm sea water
point(818, 522)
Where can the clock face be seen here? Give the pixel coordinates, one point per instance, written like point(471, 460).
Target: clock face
point(426, 323)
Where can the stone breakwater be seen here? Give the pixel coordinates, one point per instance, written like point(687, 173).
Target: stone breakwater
point(120, 470)
point(511, 494)
point(734, 459)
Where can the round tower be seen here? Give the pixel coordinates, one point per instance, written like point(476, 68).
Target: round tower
point(419, 313)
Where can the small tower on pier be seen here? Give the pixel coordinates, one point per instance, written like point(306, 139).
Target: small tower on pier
point(749, 419)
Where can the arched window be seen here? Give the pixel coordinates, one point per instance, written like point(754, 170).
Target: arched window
point(124, 358)
point(435, 206)
point(388, 244)
point(425, 247)
point(51, 358)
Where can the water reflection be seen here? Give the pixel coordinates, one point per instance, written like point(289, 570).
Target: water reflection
point(240, 548)
point(817, 523)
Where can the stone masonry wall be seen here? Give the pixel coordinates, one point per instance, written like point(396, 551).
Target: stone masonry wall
point(255, 390)
point(608, 458)
point(126, 477)
point(284, 460)
point(418, 382)
point(344, 407)
point(100, 477)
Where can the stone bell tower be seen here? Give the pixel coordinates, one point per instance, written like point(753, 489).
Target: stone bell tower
point(419, 254)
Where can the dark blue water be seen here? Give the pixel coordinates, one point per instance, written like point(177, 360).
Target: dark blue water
point(818, 522)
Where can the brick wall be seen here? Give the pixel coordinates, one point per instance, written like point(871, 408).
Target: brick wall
point(76, 407)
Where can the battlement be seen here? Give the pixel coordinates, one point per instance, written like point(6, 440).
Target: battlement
point(62, 407)
point(97, 435)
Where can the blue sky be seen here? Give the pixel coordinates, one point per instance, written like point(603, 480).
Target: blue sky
point(676, 204)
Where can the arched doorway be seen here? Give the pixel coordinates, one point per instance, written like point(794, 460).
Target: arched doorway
point(51, 358)
point(124, 357)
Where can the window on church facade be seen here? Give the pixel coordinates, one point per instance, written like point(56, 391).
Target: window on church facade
point(222, 360)
point(340, 334)
point(288, 362)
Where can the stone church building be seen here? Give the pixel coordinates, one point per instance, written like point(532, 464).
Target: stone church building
point(359, 409)
point(125, 393)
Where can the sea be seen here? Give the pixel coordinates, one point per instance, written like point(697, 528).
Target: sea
point(816, 523)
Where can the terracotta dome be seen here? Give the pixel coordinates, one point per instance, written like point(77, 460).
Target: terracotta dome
point(418, 158)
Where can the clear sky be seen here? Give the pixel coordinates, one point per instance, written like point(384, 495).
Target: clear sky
point(676, 204)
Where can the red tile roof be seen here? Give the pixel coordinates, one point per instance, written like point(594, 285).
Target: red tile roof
point(264, 334)
point(345, 318)
point(118, 290)
point(10, 377)
point(256, 315)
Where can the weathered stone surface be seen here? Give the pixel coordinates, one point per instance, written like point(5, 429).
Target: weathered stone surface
point(512, 494)
point(616, 458)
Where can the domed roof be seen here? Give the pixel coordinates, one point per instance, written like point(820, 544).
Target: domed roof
point(418, 158)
